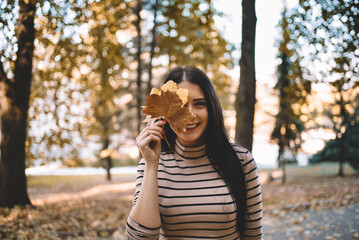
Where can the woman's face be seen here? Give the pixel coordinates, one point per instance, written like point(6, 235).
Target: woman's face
point(194, 133)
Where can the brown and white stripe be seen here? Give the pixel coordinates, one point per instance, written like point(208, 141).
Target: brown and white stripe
point(195, 202)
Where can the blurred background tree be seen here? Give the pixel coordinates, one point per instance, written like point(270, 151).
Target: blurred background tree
point(86, 66)
point(293, 91)
point(349, 142)
point(103, 68)
point(246, 93)
point(15, 83)
point(55, 129)
point(105, 64)
point(187, 36)
point(327, 34)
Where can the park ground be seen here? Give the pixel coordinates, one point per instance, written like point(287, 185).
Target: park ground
point(313, 204)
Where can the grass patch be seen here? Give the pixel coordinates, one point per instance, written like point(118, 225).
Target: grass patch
point(41, 185)
point(320, 169)
point(51, 180)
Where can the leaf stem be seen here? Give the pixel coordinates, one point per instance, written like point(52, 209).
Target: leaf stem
point(166, 138)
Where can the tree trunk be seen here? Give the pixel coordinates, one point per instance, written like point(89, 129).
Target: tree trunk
point(341, 157)
point(105, 115)
point(341, 139)
point(107, 160)
point(15, 95)
point(153, 45)
point(245, 97)
point(281, 161)
point(284, 176)
point(139, 65)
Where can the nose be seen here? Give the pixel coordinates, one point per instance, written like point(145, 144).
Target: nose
point(190, 107)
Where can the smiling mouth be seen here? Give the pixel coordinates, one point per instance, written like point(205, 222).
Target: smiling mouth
point(190, 127)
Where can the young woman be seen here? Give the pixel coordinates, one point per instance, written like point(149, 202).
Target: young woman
point(201, 186)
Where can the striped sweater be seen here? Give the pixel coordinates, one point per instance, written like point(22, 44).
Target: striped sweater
point(194, 201)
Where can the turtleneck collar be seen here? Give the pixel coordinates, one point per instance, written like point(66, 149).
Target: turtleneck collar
point(190, 153)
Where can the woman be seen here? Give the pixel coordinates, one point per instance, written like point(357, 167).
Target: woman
point(200, 185)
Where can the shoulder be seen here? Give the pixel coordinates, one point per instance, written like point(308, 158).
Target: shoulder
point(244, 156)
point(242, 152)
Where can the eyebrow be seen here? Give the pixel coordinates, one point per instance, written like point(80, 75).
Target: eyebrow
point(199, 99)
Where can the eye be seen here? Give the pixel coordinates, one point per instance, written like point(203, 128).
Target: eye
point(200, 104)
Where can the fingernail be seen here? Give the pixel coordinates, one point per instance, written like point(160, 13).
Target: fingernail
point(164, 120)
point(164, 131)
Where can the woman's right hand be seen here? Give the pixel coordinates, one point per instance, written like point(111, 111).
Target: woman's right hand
point(149, 141)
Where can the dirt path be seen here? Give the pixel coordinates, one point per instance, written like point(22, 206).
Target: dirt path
point(329, 224)
point(123, 191)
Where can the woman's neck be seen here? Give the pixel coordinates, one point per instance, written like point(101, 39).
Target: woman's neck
point(191, 144)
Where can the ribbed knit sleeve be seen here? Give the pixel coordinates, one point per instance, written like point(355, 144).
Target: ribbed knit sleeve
point(254, 196)
point(135, 230)
point(139, 179)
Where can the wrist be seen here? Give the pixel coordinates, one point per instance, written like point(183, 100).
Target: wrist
point(151, 165)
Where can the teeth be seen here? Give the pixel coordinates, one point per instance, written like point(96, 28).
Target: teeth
point(191, 125)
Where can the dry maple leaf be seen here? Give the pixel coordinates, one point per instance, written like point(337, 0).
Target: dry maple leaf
point(169, 103)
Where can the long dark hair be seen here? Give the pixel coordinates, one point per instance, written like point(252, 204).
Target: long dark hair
point(219, 149)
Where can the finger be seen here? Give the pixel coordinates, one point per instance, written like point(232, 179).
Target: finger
point(160, 123)
point(143, 131)
point(148, 132)
point(153, 129)
point(156, 126)
point(143, 134)
point(146, 141)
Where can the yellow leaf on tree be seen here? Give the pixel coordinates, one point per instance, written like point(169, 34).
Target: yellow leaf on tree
point(169, 103)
